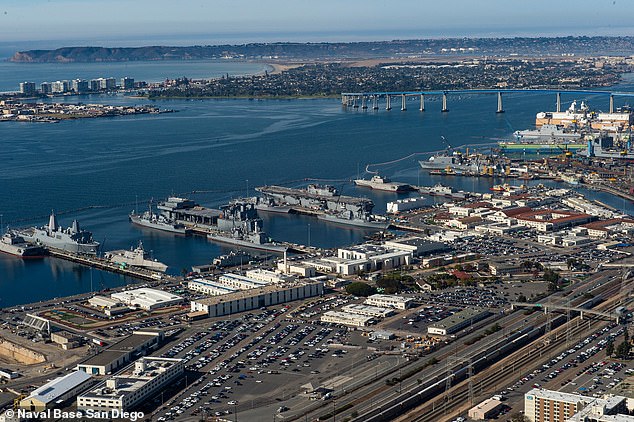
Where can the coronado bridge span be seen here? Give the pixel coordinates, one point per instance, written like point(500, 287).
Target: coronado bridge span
point(365, 100)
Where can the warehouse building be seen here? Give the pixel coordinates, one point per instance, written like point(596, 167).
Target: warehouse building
point(345, 318)
point(367, 310)
point(485, 410)
point(247, 300)
point(209, 287)
point(121, 352)
point(132, 386)
point(56, 391)
point(148, 299)
point(457, 322)
point(389, 301)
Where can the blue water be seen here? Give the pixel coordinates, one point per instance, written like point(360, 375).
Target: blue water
point(222, 149)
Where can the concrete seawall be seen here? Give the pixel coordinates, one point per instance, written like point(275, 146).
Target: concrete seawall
point(19, 353)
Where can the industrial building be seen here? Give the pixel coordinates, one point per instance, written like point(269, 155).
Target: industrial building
point(485, 410)
point(56, 391)
point(209, 287)
point(389, 301)
point(121, 352)
point(457, 322)
point(367, 310)
point(108, 305)
point(247, 300)
point(345, 318)
point(367, 258)
point(542, 405)
point(147, 299)
point(417, 246)
point(132, 386)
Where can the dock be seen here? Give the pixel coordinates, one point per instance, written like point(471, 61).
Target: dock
point(102, 264)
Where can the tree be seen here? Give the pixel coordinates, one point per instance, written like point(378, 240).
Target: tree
point(521, 298)
point(518, 417)
point(609, 348)
point(623, 350)
point(359, 288)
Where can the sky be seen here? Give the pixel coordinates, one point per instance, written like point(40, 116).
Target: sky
point(126, 22)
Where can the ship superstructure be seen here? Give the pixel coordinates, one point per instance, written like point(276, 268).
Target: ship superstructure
point(72, 239)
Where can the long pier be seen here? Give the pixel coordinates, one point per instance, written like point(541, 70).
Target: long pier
point(102, 264)
point(367, 99)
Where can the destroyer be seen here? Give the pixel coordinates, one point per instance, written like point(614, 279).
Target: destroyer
point(137, 257)
point(14, 244)
point(72, 239)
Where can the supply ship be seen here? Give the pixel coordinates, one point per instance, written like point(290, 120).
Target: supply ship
point(137, 257)
point(72, 239)
point(157, 221)
point(14, 244)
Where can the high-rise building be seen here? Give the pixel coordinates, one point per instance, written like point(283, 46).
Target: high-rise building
point(80, 85)
point(108, 84)
point(27, 88)
point(46, 88)
point(95, 84)
point(127, 83)
point(60, 87)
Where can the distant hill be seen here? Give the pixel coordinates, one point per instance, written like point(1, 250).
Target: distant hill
point(357, 50)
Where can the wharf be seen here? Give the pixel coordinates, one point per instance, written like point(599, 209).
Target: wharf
point(102, 264)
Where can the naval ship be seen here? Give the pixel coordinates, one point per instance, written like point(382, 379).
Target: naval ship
point(157, 221)
point(14, 244)
point(137, 257)
point(383, 183)
point(454, 162)
point(72, 239)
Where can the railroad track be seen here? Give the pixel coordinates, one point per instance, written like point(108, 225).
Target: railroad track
point(487, 381)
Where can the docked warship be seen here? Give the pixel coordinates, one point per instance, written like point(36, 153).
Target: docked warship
point(14, 244)
point(157, 221)
point(136, 257)
point(72, 239)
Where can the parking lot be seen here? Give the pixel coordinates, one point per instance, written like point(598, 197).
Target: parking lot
point(259, 360)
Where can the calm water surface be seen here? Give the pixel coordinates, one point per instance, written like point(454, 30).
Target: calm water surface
point(212, 151)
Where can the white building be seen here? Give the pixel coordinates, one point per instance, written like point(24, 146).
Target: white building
point(137, 382)
point(406, 204)
point(147, 299)
point(209, 287)
point(367, 310)
point(266, 276)
point(389, 301)
point(56, 391)
point(241, 282)
point(247, 300)
point(345, 318)
point(367, 258)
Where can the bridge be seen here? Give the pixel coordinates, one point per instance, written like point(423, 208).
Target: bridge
point(362, 99)
point(547, 306)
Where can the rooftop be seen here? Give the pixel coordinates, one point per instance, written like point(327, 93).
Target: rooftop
point(59, 386)
point(243, 294)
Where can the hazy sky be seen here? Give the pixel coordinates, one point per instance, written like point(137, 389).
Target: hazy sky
point(211, 21)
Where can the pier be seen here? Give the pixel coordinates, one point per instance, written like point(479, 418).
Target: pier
point(102, 264)
point(352, 99)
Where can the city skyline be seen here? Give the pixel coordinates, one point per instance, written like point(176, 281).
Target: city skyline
point(120, 22)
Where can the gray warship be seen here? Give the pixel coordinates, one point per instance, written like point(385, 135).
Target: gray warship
point(71, 239)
